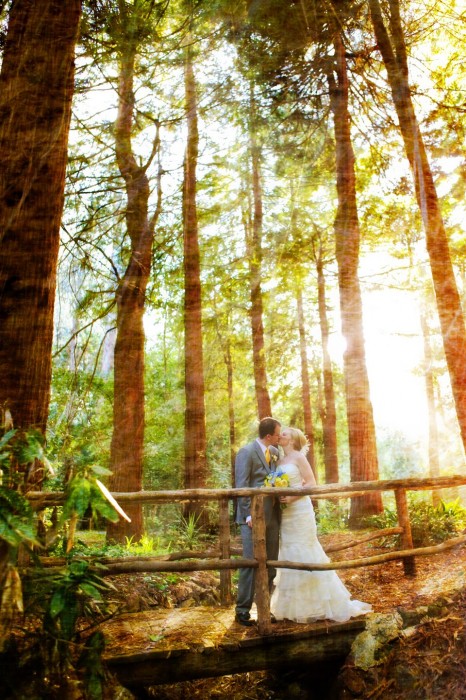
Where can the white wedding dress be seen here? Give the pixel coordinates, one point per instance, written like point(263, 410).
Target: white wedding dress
point(306, 596)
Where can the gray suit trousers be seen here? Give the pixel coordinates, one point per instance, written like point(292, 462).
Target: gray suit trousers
point(247, 577)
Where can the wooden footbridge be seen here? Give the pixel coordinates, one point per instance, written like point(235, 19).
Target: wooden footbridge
point(166, 646)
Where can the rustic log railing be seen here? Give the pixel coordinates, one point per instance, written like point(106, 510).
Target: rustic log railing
point(224, 563)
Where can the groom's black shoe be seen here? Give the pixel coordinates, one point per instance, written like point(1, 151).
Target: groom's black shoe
point(244, 619)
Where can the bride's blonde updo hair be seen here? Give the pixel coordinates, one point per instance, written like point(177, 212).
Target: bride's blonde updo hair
point(300, 441)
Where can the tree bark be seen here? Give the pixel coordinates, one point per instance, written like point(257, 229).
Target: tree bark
point(231, 410)
point(434, 461)
point(195, 430)
point(264, 406)
point(127, 447)
point(36, 90)
point(361, 430)
point(329, 418)
point(392, 47)
point(305, 385)
point(223, 329)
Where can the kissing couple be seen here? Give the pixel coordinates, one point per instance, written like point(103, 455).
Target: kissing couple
point(291, 534)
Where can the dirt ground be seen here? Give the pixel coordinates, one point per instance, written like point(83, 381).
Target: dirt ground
point(385, 586)
point(428, 662)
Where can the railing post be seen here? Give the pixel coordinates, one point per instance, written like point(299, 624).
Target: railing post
point(224, 531)
point(409, 563)
point(260, 554)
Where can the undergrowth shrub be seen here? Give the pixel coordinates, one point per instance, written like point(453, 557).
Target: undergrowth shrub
point(429, 524)
point(332, 516)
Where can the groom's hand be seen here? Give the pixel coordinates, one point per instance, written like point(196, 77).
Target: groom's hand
point(249, 520)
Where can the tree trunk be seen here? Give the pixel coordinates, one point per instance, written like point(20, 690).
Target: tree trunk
point(231, 410)
point(361, 430)
point(393, 50)
point(195, 431)
point(36, 90)
point(305, 385)
point(224, 333)
point(329, 422)
point(127, 446)
point(434, 462)
point(264, 406)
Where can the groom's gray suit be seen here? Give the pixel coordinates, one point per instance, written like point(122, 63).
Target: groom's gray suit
point(251, 469)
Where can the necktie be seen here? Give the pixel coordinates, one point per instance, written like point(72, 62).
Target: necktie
point(267, 455)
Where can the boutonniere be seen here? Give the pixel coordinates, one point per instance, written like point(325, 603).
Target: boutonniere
point(273, 458)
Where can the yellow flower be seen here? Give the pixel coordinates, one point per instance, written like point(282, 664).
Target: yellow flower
point(279, 479)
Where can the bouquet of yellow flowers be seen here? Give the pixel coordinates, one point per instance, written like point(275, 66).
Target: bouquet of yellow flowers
point(279, 479)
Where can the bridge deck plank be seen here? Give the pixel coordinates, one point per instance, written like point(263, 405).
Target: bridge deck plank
point(170, 645)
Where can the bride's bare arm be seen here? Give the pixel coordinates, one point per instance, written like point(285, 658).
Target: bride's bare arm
point(306, 471)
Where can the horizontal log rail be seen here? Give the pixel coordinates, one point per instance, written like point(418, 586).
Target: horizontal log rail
point(43, 499)
point(132, 565)
point(376, 559)
point(213, 553)
point(387, 532)
point(220, 559)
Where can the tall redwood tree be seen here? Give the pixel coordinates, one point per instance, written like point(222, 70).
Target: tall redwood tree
point(361, 429)
point(127, 447)
point(254, 249)
point(434, 447)
point(329, 414)
point(391, 44)
point(195, 429)
point(305, 383)
point(36, 90)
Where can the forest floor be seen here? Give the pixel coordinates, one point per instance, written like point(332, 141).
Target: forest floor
point(427, 661)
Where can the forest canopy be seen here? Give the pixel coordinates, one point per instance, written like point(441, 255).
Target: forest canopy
point(262, 214)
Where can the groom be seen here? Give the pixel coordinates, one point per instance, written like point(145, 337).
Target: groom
point(252, 465)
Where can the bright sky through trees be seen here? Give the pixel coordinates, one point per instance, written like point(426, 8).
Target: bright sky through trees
point(297, 162)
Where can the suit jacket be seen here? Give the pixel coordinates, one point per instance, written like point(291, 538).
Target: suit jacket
point(251, 468)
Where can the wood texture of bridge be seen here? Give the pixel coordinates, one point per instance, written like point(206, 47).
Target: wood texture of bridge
point(169, 646)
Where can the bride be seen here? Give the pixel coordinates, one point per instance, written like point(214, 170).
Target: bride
point(305, 596)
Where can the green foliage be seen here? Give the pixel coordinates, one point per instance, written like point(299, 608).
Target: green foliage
point(429, 524)
point(17, 523)
point(332, 517)
point(61, 599)
point(71, 593)
point(399, 457)
point(164, 406)
point(80, 422)
point(5, 452)
point(90, 663)
point(146, 545)
point(18, 450)
point(82, 494)
point(189, 533)
point(17, 520)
